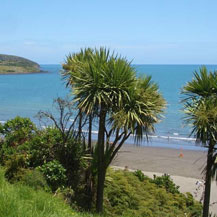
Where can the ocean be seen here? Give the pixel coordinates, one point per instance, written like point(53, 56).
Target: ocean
point(26, 94)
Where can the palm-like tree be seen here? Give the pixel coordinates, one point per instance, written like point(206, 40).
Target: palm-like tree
point(200, 106)
point(106, 84)
point(136, 117)
point(72, 68)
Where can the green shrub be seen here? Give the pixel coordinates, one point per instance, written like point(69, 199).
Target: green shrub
point(140, 175)
point(15, 167)
point(5, 152)
point(43, 146)
point(166, 182)
point(17, 131)
point(15, 135)
point(35, 179)
point(125, 195)
point(54, 173)
point(48, 145)
point(193, 207)
point(72, 157)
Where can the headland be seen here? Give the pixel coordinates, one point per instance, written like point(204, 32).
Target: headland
point(10, 64)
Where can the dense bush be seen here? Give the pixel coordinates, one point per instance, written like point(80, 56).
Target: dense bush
point(17, 131)
point(15, 135)
point(23, 147)
point(72, 157)
point(140, 175)
point(126, 195)
point(166, 182)
point(19, 136)
point(44, 159)
point(35, 179)
point(44, 146)
point(163, 181)
point(16, 166)
point(54, 173)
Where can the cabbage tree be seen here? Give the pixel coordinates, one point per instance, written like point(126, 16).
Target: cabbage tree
point(106, 85)
point(200, 106)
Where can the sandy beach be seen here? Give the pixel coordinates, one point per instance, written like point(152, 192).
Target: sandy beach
point(185, 163)
point(184, 166)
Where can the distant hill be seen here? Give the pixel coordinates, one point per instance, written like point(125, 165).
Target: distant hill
point(16, 65)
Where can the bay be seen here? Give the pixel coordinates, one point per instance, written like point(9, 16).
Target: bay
point(26, 94)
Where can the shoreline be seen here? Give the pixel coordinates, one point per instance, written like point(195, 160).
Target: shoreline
point(24, 73)
point(179, 162)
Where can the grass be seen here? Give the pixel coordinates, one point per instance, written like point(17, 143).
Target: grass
point(22, 201)
point(14, 65)
point(17, 69)
point(125, 195)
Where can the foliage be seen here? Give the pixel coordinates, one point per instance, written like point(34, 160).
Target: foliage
point(166, 182)
point(105, 87)
point(15, 64)
point(44, 146)
point(163, 181)
point(20, 138)
point(34, 179)
point(122, 198)
point(17, 131)
point(34, 148)
point(126, 195)
point(200, 107)
point(62, 142)
point(15, 167)
point(194, 208)
point(5, 152)
point(72, 156)
point(15, 135)
point(22, 201)
point(140, 175)
point(54, 173)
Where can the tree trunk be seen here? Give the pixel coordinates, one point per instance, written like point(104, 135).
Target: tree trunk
point(89, 188)
point(90, 134)
point(100, 190)
point(100, 163)
point(89, 181)
point(208, 178)
point(80, 125)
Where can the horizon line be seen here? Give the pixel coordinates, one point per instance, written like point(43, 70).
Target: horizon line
point(148, 64)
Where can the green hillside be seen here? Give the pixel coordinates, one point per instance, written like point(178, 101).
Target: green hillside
point(14, 65)
point(125, 196)
point(22, 201)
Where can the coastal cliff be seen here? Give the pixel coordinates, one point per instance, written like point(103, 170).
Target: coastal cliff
point(17, 65)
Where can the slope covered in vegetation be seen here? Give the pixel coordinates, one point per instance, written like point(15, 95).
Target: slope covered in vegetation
point(48, 161)
point(22, 201)
point(134, 195)
point(126, 194)
point(14, 65)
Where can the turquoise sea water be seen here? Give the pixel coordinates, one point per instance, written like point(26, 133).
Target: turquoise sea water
point(25, 95)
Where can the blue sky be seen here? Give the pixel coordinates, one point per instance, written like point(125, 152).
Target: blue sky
point(145, 31)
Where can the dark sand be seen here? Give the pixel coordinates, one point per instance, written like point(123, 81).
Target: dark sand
point(162, 160)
